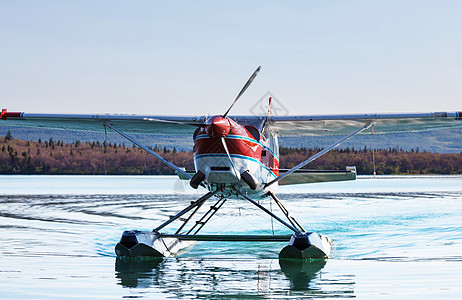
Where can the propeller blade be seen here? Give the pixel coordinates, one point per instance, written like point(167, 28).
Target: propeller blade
point(236, 173)
point(243, 89)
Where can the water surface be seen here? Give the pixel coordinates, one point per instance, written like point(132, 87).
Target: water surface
point(394, 237)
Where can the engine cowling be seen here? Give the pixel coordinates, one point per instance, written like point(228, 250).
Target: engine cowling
point(217, 127)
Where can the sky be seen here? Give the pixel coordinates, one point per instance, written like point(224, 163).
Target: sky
point(193, 57)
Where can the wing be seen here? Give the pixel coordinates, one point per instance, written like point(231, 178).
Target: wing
point(331, 125)
point(131, 124)
point(303, 125)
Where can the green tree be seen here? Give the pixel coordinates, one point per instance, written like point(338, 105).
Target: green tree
point(8, 136)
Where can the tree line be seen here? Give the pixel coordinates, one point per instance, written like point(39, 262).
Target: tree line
point(391, 161)
point(96, 158)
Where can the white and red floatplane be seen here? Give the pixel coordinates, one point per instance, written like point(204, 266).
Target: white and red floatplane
point(237, 157)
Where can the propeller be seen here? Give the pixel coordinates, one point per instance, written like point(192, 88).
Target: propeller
point(243, 89)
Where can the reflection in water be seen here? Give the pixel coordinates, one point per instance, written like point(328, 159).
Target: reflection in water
point(197, 277)
point(300, 272)
point(205, 278)
point(138, 273)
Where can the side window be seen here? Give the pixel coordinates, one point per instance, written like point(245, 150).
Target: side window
point(272, 140)
point(274, 145)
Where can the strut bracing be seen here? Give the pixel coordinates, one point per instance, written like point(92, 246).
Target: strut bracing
point(198, 202)
point(267, 211)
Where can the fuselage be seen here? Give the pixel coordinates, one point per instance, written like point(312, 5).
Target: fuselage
point(226, 153)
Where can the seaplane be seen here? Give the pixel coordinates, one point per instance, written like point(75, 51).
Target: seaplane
point(237, 157)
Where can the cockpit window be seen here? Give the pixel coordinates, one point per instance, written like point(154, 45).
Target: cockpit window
point(253, 131)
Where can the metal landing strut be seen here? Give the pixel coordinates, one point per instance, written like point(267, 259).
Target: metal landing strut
point(302, 245)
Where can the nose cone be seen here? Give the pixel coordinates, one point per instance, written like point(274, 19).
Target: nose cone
point(217, 127)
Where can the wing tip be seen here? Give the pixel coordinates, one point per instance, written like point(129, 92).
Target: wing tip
point(4, 115)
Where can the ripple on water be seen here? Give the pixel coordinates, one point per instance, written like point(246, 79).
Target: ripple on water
point(71, 237)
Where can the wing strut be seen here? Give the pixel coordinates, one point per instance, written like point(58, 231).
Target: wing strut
point(321, 153)
point(176, 168)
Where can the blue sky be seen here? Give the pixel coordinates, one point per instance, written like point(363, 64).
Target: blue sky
point(193, 57)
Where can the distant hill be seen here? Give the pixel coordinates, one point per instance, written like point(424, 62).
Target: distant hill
point(441, 141)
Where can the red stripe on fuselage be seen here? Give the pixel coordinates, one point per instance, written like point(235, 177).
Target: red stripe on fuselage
point(241, 143)
point(235, 146)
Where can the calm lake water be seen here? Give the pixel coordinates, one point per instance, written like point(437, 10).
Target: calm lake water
point(394, 237)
